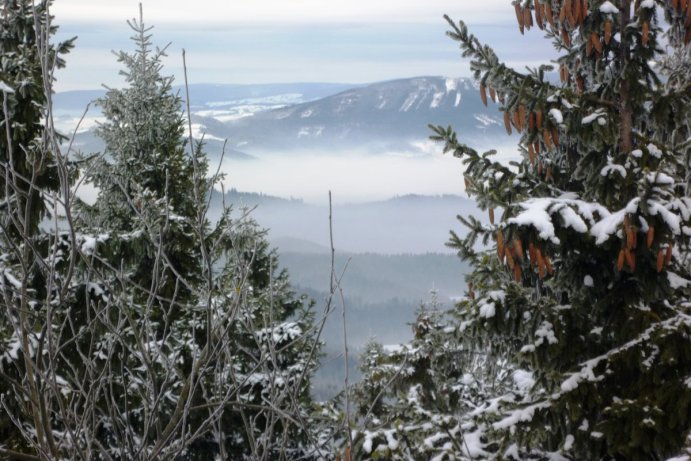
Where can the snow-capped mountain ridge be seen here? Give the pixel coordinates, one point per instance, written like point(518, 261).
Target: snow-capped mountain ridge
point(391, 112)
point(385, 116)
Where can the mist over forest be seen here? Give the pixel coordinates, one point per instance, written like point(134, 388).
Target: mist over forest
point(395, 196)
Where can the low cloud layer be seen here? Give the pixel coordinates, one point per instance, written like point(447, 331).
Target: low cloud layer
point(351, 176)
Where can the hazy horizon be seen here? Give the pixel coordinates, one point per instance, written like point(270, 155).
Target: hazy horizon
point(268, 41)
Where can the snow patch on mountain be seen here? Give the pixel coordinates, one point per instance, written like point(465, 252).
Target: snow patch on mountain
point(224, 116)
point(486, 120)
point(382, 102)
point(408, 103)
point(347, 101)
point(235, 109)
point(436, 100)
point(283, 114)
point(273, 100)
point(310, 131)
point(199, 131)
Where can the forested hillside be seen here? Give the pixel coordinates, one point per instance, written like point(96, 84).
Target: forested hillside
point(257, 119)
point(373, 277)
point(381, 294)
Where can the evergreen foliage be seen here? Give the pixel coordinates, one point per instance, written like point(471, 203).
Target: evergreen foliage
point(28, 175)
point(415, 400)
point(583, 300)
point(189, 279)
point(28, 165)
point(275, 353)
point(147, 231)
point(151, 334)
point(146, 179)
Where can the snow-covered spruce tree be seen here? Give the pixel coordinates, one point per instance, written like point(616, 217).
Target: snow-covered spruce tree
point(210, 353)
point(145, 249)
point(275, 354)
point(95, 365)
point(29, 173)
point(417, 401)
point(586, 290)
point(146, 173)
point(28, 166)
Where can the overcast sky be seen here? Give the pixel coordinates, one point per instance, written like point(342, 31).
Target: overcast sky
point(264, 41)
point(225, 12)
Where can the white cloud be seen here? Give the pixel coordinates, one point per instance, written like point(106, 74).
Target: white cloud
point(268, 41)
point(263, 11)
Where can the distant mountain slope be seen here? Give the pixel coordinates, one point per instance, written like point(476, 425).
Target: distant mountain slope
point(211, 95)
point(381, 117)
point(376, 278)
point(298, 245)
point(212, 104)
point(390, 112)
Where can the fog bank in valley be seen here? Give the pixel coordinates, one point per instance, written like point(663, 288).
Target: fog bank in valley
point(353, 176)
